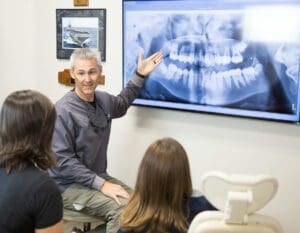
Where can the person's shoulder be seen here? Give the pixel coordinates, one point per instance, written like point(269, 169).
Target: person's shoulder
point(64, 100)
point(47, 184)
point(104, 99)
point(101, 94)
point(68, 104)
point(200, 203)
point(32, 179)
point(38, 177)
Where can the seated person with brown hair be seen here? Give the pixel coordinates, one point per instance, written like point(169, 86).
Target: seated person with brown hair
point(29, 200)
point(162, 200)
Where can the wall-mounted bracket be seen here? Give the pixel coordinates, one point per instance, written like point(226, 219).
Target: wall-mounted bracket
point(65, 78)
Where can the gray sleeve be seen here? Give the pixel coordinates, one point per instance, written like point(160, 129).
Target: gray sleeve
point(122, 102)
point(69, 168)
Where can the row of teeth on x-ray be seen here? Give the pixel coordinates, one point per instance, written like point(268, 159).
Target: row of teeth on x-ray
point(235, 77)
point(213, 56)
point(238, 77)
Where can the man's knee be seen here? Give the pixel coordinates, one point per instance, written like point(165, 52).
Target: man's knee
point(114, 209)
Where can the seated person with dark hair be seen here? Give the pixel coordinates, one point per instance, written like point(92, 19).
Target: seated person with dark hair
point(30, 201)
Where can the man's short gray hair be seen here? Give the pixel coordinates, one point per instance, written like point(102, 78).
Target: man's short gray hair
point(85, 54)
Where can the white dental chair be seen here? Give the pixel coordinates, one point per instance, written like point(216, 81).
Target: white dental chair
point(237, 197)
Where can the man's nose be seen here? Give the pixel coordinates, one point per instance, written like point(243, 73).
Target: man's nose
point(87, 77)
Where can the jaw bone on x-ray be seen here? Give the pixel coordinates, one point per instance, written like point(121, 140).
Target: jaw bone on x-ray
point(207, 61)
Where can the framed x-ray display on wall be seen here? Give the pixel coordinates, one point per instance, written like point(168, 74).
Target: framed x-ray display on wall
point(239, 58)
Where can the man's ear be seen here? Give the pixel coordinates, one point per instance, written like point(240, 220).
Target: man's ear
point(72, 73)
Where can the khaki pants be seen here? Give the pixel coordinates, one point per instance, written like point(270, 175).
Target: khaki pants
point(95, 203)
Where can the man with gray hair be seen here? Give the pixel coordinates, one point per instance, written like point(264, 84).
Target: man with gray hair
point(81, 136)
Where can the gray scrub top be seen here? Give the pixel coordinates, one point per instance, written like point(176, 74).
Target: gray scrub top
point(81, 135)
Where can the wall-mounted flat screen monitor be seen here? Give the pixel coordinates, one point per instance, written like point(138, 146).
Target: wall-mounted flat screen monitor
point(230, 57)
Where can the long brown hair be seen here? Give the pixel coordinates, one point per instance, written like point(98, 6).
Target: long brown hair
point(26, 126)
point(162, 188)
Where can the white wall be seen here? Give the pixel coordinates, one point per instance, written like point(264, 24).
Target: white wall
point(28, 60)
point(16, 45)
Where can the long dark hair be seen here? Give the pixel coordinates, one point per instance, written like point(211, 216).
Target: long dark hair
point(161, 191)
point(27, 121)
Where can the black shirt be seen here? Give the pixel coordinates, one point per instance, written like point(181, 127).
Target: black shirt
point(29, 199)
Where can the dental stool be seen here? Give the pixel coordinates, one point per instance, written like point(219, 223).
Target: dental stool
point(80, 217)
point(237, 197)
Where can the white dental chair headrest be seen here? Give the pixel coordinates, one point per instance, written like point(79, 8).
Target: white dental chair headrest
point(237, 197)
point(217, 186)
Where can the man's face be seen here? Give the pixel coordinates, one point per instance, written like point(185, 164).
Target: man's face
point(86, 74)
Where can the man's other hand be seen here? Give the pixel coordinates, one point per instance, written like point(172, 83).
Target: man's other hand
point(114, 191)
